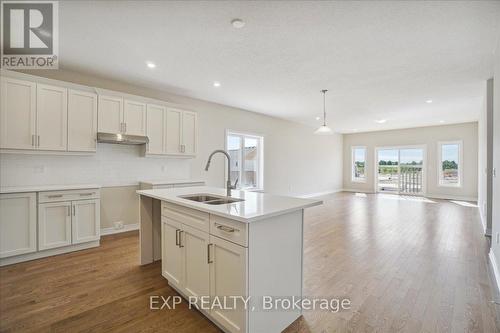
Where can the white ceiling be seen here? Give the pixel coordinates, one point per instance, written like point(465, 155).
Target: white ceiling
point(380, 60)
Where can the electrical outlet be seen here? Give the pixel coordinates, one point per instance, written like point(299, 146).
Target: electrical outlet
point(118, 224)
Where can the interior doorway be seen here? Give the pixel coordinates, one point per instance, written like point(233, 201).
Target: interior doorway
point(400, 170)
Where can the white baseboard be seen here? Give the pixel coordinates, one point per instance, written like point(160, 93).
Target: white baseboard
point(496, 271)
point(487, 231)
point(47, 253)
point(317, 194)
point(126, 227)
point(355, 190)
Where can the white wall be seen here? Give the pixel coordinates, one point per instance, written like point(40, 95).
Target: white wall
point(485, 158)
point(296, 162)
point(429, 136)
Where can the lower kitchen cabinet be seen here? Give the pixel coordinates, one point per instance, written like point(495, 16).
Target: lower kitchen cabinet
point(17, 224)
point(54, 225)
point(85, 223)
point(172, 261)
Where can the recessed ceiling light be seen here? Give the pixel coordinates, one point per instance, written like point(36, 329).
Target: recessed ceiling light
point(380, 121)
point(238, 23)
point(150, 64)
point(216, 84)
point(354, 130)
point(317, 118)
point(429, 101)
point(441, 121)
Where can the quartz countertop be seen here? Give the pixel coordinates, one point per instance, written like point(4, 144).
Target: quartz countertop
point(170, 181)
point(256, 206)
point(42, 188)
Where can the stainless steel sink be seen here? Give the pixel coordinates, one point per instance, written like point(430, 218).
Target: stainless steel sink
point(199, 197)
point(222, 201)
point(210, 199)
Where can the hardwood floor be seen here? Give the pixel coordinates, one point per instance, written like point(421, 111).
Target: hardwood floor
point(406, 264)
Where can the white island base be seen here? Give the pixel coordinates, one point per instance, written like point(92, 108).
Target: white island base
point(223, 254)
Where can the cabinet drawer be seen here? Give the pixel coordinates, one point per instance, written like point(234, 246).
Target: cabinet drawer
point(230, 230)
point(188, 216)
point(69, 195)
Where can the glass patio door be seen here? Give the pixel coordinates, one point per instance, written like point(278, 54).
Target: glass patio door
point(400, 170)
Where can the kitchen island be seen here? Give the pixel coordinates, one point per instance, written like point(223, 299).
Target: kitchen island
point(218, 248)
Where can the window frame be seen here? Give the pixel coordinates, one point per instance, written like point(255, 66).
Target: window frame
point(440, 145)
point(355, 179)
point(260, 156)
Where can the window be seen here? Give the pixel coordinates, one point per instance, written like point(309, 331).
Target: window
point(450, 160)
point(358, 164)
point(246, 151)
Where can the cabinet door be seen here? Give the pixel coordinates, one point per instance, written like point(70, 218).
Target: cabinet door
point(189, 130)
point(134, 117)
point(155, 129)
point(52, 117)
point(110, 114)
point(174, 127)
point(196, 266)
point(54, 225)
point(228, 276)
point(171, 253)
point(82, 121)
point(17, 114)
point(85, 222)
point(17, 224)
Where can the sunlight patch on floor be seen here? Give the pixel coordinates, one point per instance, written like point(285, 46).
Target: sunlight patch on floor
point(405, 198)
point(463, 203)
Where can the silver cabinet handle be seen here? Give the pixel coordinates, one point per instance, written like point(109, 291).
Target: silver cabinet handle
point(225, 228)
point(54, 196)
point(177, 236)
point(86, 194)
point(33, 140)
point(208, 254)
point(38, 141)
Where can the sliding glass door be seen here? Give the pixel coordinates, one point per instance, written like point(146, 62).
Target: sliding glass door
point(400, 170)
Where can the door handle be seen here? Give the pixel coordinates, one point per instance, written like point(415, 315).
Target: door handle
point(208, 254)
point(177, 237)
point(180, 238)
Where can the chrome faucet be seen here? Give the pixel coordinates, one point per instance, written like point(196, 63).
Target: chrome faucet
point(229, 187)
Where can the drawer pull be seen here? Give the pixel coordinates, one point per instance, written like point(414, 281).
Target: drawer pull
point(54, 196)
point(177, 236)
point(225, 228)
point(180, 238)
point(86, 194)
point(208, 254)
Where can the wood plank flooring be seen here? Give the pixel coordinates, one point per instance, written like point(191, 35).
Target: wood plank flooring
point(407, 265)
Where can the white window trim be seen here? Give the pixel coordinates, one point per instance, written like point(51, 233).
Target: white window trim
point(260, 149)
point(353, 178)
point(440, 163)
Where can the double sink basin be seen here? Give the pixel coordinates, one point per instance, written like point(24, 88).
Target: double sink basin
point(210, 199)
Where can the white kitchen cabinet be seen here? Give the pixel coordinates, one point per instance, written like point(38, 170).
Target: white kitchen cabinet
point(228, 276)
point(17, 224)
point(82, 121)
point(172, 261)
point(134, 118)
point(194, 244)
point(174, 131)
point(54, 225)
point(156, 127)
point(85, 220)
point(17, 114)
point(110, 114)
point(52, 117)
point(189, 133)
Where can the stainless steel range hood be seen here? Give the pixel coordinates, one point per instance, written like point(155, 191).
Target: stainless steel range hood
point(122, 139)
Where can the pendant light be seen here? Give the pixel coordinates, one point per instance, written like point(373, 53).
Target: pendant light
point(323, 129)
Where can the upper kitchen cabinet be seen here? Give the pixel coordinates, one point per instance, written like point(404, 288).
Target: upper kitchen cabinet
point(189, 130)
point(17, 114)
point(134, 118)
point(181, 132)
point(156, 116)
point(82, 121)
point(52, 117)
point(110, 114)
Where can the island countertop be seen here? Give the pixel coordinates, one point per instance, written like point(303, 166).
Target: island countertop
point(256, 206)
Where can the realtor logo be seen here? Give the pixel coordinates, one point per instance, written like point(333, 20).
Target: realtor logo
point(29, 34)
